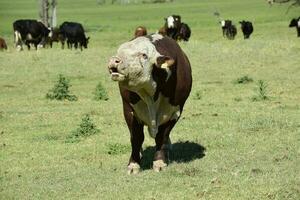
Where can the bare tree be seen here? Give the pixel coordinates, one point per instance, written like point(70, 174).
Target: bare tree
point(53, 13)
point(44, 14)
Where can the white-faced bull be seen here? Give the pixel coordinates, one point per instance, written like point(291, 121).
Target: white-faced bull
point(155, 80)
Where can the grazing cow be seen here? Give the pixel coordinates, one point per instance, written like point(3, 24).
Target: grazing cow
point(229, 30)
point(30, 31)
point(74, 34)
point(55, 36)
point(296, 23)
point(140, 31)
point(2, 44)
point(247, 28)
point(155, 80)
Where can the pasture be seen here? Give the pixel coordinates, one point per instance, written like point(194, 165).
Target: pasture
point(226, 145)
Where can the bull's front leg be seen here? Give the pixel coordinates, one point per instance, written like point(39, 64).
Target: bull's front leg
point(136, 139)
point(163, 145)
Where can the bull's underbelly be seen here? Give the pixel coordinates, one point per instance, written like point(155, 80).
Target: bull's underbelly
point(153, 114)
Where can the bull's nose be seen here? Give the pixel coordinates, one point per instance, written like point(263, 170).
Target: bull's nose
point(114, 64)
point(114, 61)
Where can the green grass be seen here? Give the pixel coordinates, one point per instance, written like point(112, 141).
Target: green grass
point(225, 146)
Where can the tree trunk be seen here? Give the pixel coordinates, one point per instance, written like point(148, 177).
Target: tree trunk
point(53, 15)
point(44, 15)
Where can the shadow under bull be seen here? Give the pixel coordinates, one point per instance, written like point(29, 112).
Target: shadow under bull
point(182, 152)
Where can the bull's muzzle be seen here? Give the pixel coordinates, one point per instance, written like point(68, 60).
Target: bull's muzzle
point(113, 68)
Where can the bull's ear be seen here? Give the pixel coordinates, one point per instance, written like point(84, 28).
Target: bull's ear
point(164, 62)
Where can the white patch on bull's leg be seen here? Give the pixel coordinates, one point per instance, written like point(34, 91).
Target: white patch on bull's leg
point(133, 168)
point(159, 165)
point(298, 23)
point(170, 22)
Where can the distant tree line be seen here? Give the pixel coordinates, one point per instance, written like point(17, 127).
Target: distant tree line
point(100, 2)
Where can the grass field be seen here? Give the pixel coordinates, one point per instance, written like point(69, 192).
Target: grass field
point(226, 146)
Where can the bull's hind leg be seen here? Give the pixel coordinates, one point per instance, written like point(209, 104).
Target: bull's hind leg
point(163, 145)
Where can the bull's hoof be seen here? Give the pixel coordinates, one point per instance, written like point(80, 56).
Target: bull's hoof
point(159, 165)
point(133, 168)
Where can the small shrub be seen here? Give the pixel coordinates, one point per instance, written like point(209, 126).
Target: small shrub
point(261, 91)
point(237, 99)
point(86, 128)
point(115, 149)
point(100, 93)
point(61, 90)
point(243, 80)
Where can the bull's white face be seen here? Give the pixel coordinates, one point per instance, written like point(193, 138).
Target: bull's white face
point(170, 22)
point(223, 23)
point(132, 66)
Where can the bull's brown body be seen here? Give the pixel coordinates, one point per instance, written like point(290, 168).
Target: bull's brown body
point(160, 109)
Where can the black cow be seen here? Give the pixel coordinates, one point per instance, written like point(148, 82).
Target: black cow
point(30, 31)
point(74, 34)
point(247, 28)
point(155, 80)
point(296, 23)
point(229, 30)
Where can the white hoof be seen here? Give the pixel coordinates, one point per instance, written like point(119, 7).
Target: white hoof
point(159, 165)
point(133, 168)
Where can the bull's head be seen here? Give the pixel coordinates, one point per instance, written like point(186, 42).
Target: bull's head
point(173, 21)
point(85, 42)
point(132, 66)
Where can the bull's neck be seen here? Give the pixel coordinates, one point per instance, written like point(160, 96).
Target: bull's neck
point(147, 92)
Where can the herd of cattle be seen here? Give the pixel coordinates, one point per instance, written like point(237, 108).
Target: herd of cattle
point(28, 31)
point(33, 32)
